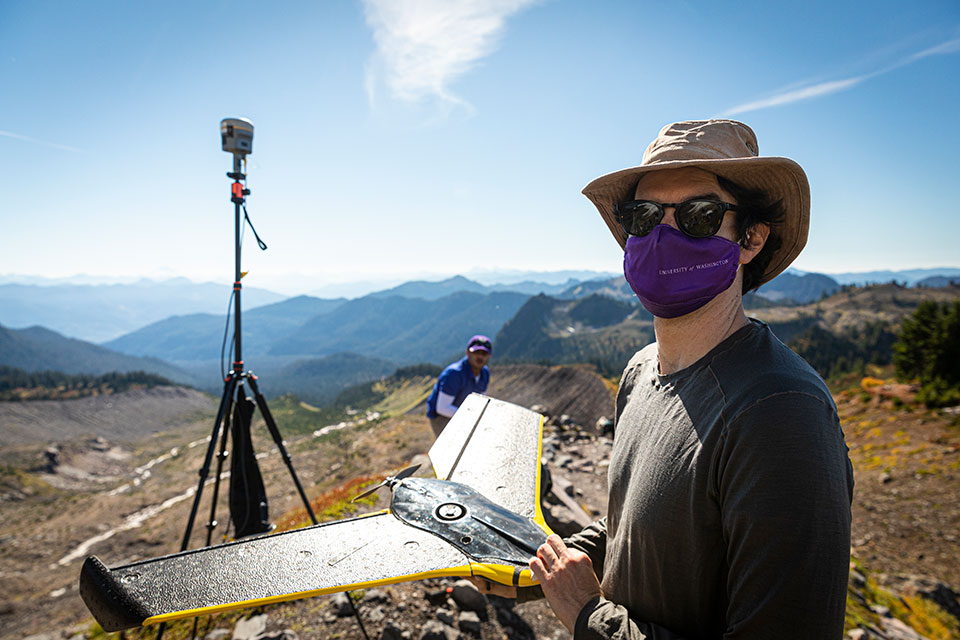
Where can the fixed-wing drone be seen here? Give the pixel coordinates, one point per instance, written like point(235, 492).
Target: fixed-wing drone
point(480, 516)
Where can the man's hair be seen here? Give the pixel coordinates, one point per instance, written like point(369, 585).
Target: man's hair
point(754, 207)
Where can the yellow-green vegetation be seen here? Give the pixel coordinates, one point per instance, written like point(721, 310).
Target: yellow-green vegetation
point(295, 417)
point(921, 614)
point(401, 395)
point(332, 505)
point(613, 384)
point(25, 482)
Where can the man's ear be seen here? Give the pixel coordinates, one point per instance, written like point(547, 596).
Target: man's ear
point(756, 237)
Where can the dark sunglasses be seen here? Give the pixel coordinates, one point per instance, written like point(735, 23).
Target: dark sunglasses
point(698, 218)
point(480, 343)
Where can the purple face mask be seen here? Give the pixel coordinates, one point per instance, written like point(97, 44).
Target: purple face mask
point(674, 274)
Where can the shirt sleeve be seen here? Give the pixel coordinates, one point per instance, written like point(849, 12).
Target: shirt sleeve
point(785, 485)
point(449, 382)
point(601, 619)
point(445, 406)
point(592, 541)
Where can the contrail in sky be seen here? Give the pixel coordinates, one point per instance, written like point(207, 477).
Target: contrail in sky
point(834, 86)
point(17, 136)
point(424, 45)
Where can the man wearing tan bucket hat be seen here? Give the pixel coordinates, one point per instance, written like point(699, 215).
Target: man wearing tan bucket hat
point(729, 481)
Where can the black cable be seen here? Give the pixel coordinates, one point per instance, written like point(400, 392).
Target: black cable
point(226, 328)
point(263, 245)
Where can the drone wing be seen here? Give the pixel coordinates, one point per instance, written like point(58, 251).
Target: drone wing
point(325, 558)
point(494, 447)
point(490, 446)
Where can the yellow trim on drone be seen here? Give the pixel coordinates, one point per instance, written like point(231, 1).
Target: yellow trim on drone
point(504, 574)
point(497, 572)
point(537, 511)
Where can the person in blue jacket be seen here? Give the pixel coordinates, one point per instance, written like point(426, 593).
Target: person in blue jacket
point(467, 375)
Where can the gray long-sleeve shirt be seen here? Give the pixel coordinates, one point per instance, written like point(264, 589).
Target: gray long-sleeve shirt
point(729, 501)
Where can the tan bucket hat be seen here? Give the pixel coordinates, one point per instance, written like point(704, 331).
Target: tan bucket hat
point(725, 148)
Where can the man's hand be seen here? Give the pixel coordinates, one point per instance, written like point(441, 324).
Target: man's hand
point(487, 588)
point(567, 578)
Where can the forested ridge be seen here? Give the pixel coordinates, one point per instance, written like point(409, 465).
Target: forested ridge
point(17, 384)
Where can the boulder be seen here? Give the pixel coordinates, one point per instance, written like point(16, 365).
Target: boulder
point(467, 597)
point(469, 622)
point(341, 605)
point(393, 632)
point(285, 634)
point(436, 630)
point(249, 628)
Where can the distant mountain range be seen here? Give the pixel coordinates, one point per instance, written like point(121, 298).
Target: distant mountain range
point(318, 346)
point(316, 380)
point(102, 312)
point(434, 290)
point(910, 277)
point(320, 380)
point(105, 312)
point(597, 329)
point(494, 279)
point(406, 330)
point(799, 288)
point(39, 349)
point(200, 336)
point(306, 345)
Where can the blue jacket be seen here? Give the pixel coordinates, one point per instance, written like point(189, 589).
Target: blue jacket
point(457, 380)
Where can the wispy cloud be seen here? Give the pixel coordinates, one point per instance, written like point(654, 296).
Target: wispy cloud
point(424, 45)
point(53, 145)
point(834, 86)
point(951, 46)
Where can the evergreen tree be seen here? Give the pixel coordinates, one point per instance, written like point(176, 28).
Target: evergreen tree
point(928, 349)
point(913, 351)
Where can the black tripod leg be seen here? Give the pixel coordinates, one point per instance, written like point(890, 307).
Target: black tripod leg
point(226, 402)
point(278, 439)
point(356, 614)
point(212, 522)
point(221, 457)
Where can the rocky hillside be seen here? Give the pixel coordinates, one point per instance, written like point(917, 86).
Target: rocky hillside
point(855, 324)
point(596, 329)
point(128, 417)
point(854, 308)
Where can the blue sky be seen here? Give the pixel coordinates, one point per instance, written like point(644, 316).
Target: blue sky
point(399, 139)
